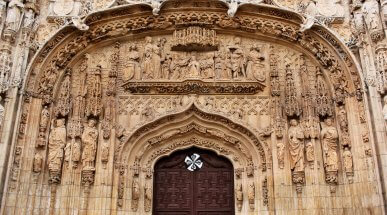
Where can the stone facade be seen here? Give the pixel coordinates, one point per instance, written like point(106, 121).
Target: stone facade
point(94, 93)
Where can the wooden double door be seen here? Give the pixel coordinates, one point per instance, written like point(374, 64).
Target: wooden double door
point(206, 188)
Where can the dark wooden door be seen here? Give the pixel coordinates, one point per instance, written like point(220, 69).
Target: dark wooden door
point(208, 190)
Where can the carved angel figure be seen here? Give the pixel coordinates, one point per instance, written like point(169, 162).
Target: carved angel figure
point(296, 144)
point(329, 136)
point(89, 142)
point(56, 143)
point(255, 69)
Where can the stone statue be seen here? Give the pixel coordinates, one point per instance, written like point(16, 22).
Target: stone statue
point(44, 118)
point(29, 19)
point(152, 60)
point(193, 68)
point(207, 66)
point(132, 70)
point(135, 194)
point(371, 10)
point(2, 112)
point(347, 160)
point(89, 144)
point(56, 143)
point(76, 153)
point(147, 197)
point(385, 109)
point(280, 154)
point(255, 69)
point(12, 21)
point(166, 63)
point(342, 117)
point(237, 59)
point(220, 66)
point(38, 163)
point(251, 195)
point(67, 154)
point(239, 196)
point(296, 144)
point(329, 136)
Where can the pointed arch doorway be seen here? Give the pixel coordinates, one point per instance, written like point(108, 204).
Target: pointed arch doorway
point(194, 182)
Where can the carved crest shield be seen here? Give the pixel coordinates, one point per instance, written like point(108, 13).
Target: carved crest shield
point(63, 7)
point(129, 71)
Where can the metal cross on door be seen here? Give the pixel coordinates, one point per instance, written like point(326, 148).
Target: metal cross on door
point(193, 182)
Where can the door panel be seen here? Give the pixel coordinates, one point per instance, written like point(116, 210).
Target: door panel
point(205, 191)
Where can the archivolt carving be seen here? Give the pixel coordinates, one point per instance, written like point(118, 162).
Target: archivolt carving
point(193, 112)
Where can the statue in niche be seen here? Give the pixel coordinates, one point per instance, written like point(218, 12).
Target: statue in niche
point(152, 60)
point(193, 68)
point(56, 144)
point(385, 109)
point(44, 118)
point(237, 59)
point(135, 194)
point(132, 69)
point(29, 18)
point(37, 163)
point(76, 153)
point(347, 160)
point(166, 69)
point(67, 154)
point(13, 18)
point(2, 112)
point(207, 66)
point(342, 117)
point(251, 195)
point(371, 10)
point(147, 197)
point(280, 154)
point(221, 72)
point(255, 69)
point(239, 196)
point(296, 144)
point(329, 136)
point(89, 142)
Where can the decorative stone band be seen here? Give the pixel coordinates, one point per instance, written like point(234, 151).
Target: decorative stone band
point(194, 86)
